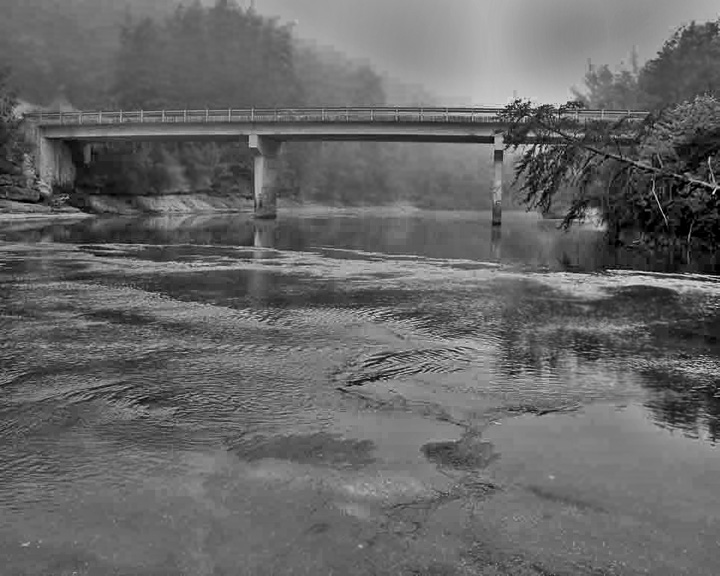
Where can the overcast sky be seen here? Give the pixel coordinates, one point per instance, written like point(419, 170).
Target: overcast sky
point(483, 50)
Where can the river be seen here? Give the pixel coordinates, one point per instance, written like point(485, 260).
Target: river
point(359, 391)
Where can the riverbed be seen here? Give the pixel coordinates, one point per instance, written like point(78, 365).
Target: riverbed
point(353, 391)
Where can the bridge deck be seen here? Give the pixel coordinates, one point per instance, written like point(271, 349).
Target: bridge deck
point(379, 123)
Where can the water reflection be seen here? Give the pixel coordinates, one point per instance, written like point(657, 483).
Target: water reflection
point(265, 232)
point(496, 243)
point(607, 341)
point(259, 281)
point(677, 403)
point(190, 366)
point(524, 239)
point(541, 336)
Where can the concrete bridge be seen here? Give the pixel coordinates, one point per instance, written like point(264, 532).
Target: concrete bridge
point(66, 138)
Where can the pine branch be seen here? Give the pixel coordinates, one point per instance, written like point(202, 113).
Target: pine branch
point(712, 187)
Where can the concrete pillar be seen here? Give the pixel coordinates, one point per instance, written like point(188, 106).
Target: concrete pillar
point(87, 154)
point(54, 161)
point(497, 190)
point(265, 151)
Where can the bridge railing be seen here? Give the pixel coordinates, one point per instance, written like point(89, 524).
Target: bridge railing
point(287, 115)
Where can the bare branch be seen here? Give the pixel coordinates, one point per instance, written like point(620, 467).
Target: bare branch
point(712, 176)
point(667, 224)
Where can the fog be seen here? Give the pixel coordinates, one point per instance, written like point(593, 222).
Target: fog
point(481, 51)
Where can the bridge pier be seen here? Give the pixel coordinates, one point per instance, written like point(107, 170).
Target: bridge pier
point(497, 189)
point(265, 151)
point(87, 154)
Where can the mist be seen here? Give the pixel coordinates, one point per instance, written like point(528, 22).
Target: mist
point(483, 51)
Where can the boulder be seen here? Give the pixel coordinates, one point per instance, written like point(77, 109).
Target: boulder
point(45, 190)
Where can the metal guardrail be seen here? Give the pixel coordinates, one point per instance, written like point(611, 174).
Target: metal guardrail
point(290, 115)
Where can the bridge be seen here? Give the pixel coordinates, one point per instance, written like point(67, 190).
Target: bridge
point(66, 138)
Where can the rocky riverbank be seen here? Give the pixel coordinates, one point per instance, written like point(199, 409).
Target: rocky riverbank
point(23, 193)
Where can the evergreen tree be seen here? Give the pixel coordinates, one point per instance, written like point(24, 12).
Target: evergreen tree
point(11, 144)
point(609, 90)
point(142, 79)
point(688, 65)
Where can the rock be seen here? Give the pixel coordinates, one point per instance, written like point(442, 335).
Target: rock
point(45, 190)
point(28, 170)
point(21, 194)
point(8, 167)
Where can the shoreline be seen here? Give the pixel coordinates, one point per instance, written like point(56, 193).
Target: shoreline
point(23, 216)
point(167, 207)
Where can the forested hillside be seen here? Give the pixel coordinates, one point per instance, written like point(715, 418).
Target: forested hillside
point(94, 54)
point(67, 47)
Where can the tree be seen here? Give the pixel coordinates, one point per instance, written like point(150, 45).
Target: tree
point(141, 78)
point(655, 177)
point(687, 65)
point(11, 143)
point(605, 89)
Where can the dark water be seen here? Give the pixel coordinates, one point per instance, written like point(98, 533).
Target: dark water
point(354, 392)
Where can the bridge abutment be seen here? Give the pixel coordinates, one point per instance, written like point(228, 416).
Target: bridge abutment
point(266, 166)
point(497, 189)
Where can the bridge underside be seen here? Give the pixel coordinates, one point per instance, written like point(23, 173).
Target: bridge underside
point(229, 132)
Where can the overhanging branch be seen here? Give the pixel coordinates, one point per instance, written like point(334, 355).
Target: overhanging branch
point(694, 182)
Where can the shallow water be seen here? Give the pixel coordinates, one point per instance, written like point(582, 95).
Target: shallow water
point(355, 392)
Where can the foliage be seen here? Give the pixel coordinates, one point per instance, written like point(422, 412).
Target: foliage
point(609, 90)
point(206, 57)
point(329, 79)
point(687, 65)
point(686, 140)
point(65, 49)
point(655, 177)
point(11, 142)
